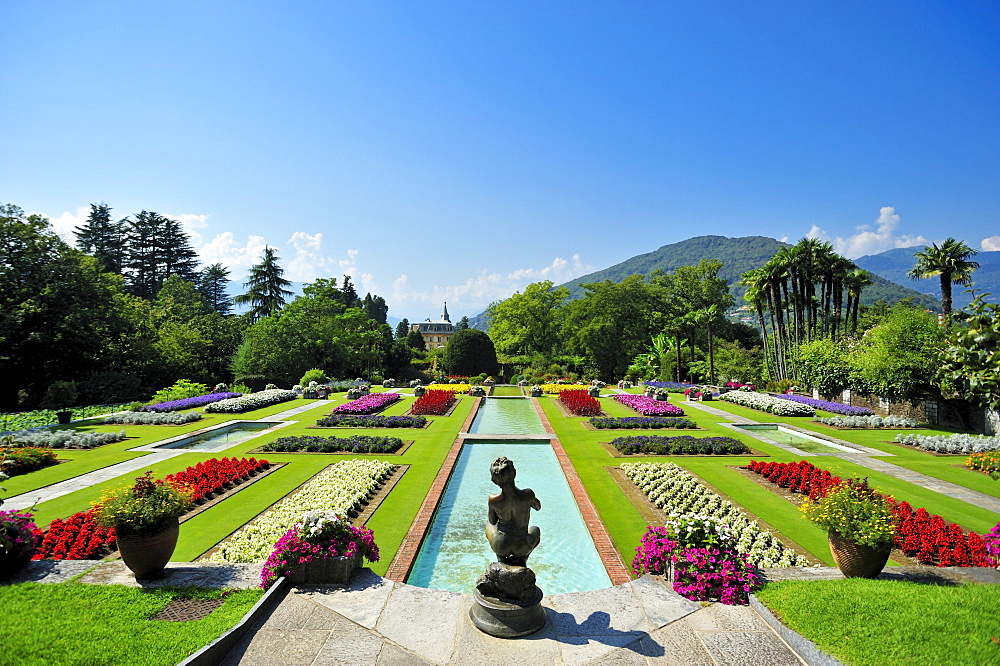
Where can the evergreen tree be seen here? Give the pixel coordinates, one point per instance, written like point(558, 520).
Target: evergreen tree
point(102, 238)
point(402, 329)
point(462, 324)
point(349, 294)
point(375, 307)
point(175, 254)
point(157, 247)
point(213, 283)
point(266, 288)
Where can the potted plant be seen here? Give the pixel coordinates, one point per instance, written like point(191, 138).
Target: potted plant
point(860, 526)
point(19, 537)
point(322, 548)
point(536, 391)
point(478, 391)
point(661, 394)
point(144, 516)
point(594, 391)
point(60, 396)
point(388, 383)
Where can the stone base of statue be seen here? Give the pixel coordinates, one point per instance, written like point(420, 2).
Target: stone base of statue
point(506, 602)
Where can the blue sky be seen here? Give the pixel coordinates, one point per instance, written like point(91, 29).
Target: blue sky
point(461, 150)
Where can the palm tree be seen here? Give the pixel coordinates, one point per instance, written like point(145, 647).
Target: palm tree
point(951, 262)
point(755, 280)
point(855, 281)
point(265, 287)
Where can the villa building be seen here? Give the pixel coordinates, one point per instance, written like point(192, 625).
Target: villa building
point(436, 333)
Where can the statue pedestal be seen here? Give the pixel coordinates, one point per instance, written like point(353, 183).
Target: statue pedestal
point(506, 618)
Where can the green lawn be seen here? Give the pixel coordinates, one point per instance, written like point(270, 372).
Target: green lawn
point(890, 622)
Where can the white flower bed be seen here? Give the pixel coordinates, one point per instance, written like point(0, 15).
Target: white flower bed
point(960, 443)
point(251, 401)
point(768, 403)
point(65, 439)
point(679, 494)
point(869, 421)
point(153, 418)
point(340, 488)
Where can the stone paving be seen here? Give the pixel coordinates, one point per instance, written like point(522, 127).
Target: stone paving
point(378, 621)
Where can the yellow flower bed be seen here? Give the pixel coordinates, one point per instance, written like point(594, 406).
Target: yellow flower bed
point(454, 388)
point(559, 388)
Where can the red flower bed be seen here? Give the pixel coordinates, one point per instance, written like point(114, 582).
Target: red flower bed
point(580, 403)
point(80, 538)
point(76, 538)
point(213, 475)
point(433, 402)
point(928, 538)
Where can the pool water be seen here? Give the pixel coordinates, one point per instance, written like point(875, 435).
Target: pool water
point(224, 437)
point(503, 416)
point(455, 552)
point(792, 438)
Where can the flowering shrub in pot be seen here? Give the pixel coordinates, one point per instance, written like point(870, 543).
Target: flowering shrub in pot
point(19, 537)
point(319, 536)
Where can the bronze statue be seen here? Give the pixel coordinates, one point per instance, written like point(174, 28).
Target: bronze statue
point(507, 527)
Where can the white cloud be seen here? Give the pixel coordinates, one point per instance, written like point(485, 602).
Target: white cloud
point(869, 241)
point(479, 290)
point(991, 244)
point(192, 224)
point(64, 224)
point(238, 257)
point(309, 262)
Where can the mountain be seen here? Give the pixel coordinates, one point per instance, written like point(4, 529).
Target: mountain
point(894, 264)
point(738, 255)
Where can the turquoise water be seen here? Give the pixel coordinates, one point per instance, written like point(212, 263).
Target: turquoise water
point(497, 416)
point(455, 551)
point(229, 435)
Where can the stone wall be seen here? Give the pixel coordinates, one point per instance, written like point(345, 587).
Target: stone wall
point(925, 410)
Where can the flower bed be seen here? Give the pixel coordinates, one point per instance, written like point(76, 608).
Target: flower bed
point(919, 534)
point(450, 388)
point(15, 461)
point(342, 488)
point(190, 403)
point(681, 496)
point(251, 401)
point(672, 387)
point(959, 443)
point(66, 439)
point(580, 403)
point(45, 417)
point(367, 404)
point(872, 422)
point(352, 444)
point(79, 537)
point(681, 445)
point(987, 461)
point(640, 422)
point(825, 405)
point(153, 418)
point(767, 403)
point(433, 402)
point(556, 389)
point(648, 406)
point(370, 421)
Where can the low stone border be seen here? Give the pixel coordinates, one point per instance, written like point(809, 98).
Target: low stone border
point(216, 651)
point(383, 492)
point(407, 443)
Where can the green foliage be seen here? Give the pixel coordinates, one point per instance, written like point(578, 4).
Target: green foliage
point(470, 352)
point(529, 323)
point(970, 360)
point(824, 365)
point(415, 341)
point(60, 395)
point(179, 390)
point(252, 383)
point(313, 375)
point(899, 357)
point(951, 262)
point(266, 288)
point(145, 506)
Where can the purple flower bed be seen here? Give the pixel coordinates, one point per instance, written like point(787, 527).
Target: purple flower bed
point(640, 422)
point(368, 421)
point(826, 405)
point(680, 445)
point(352, 444)
point(188, 403)
point(367, 404)
point(648, 406)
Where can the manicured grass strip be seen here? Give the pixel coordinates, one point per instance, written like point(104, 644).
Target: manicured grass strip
point(70, 624)
point(881, 622)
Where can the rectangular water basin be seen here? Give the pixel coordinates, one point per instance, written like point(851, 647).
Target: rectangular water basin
point(507, 416)
point(219, 438)
point(455, 552)
point(801, 441)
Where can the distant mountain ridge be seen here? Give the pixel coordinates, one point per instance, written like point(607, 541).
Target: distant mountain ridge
point(738, 255)
point(894, 264)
